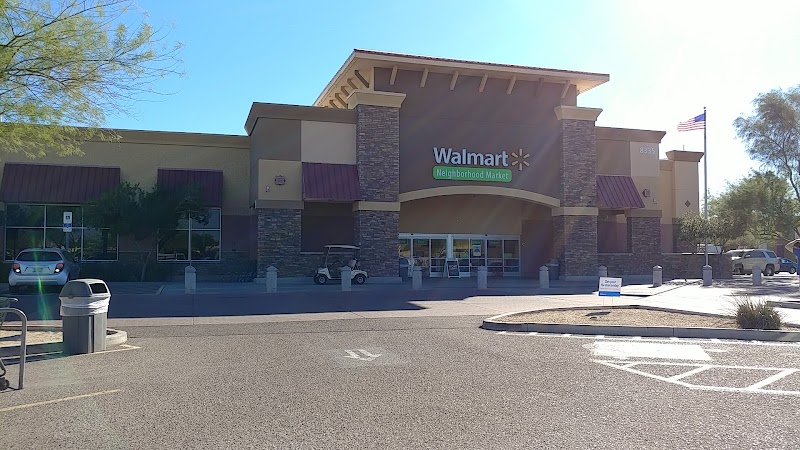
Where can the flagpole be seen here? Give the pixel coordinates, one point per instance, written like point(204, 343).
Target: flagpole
point(705, 176)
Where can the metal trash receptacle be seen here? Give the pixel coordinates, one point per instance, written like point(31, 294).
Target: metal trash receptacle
point(554, 269)
point(84, 315)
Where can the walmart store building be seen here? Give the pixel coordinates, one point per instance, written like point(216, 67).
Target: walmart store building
point(405, 156)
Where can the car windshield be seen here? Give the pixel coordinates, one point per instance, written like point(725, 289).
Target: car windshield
point(44, 256)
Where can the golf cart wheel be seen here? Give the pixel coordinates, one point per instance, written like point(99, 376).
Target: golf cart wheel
point(792, 270)
point(769, 271)
point(4, 384)
point(320, 279)
point(360, 278)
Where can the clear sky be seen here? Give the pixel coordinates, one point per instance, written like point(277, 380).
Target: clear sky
point(667, 59)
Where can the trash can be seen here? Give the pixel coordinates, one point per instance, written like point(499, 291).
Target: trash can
point(554, 269)
point(84, 313)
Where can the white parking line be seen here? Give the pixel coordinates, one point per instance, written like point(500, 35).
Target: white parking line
point(767, 381)
point(690, 373)
point(58, 400)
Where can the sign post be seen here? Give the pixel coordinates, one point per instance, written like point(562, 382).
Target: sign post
point(67, 228)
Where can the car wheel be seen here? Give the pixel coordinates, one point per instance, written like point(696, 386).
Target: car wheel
point(738, 270)
point(320, 279)
point(360, 279)
point(770, 271)
point(792, 270)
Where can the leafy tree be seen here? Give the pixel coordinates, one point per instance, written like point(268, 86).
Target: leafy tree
point(772, 133)
point(718, 230)
point(763, 204)
point(148, 217)
point(65, 64)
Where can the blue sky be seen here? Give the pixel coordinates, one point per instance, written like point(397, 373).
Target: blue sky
point(667, 59)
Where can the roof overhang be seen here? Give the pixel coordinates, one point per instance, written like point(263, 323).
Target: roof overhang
point(354, 73)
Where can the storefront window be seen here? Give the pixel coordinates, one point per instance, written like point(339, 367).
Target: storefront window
point(511, 256)
point(99, 245)
point(494, 256)
point(193, 240)
point(37, 226)
point(477, 256)
point(438, 256)
point(422, 254)
point(461, 253)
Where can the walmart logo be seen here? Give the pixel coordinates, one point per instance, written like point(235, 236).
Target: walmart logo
point(519, 159)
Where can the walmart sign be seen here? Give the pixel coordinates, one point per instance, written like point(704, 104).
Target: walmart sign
point(453, 159)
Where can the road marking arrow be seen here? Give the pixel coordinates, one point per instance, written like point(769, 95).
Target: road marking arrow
point(367, 356)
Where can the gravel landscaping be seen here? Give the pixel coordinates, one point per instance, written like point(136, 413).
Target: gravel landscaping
point(624, 316)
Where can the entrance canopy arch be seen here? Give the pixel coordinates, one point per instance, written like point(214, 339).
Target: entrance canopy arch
point(518, 194)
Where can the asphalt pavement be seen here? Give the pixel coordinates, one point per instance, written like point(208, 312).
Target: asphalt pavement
point(436, 382)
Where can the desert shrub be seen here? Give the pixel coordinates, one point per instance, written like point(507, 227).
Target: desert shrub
point(757, 314)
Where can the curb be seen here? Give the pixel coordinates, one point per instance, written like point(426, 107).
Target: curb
point(113, 337)
point(496, 323)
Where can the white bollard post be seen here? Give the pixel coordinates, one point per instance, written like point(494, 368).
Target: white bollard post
point(658, 277)
point(482, 275)
point(272, 279)
point(544, 277)
point(756, 275)
point(416, 278)
point(707, 275)
point(189, 280)
point(602, 271)
point(347, 274)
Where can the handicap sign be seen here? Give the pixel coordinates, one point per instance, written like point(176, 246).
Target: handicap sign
point(67, 222)
point(610, 287)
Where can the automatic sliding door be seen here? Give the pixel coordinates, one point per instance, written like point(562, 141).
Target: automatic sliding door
point(438, 256)
point(477, 256)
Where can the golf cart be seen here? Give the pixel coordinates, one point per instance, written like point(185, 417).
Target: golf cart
point(336, 257)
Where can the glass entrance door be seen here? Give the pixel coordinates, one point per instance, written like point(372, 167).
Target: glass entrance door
point(438, 256)
point(499, 253)
point(477, 255)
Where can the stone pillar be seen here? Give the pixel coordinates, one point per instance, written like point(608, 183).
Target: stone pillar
point(279, 242)
point(575, 221)
point(377, 216)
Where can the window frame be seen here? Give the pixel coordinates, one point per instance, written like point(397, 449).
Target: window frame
point(189, 230)
point(77, 231)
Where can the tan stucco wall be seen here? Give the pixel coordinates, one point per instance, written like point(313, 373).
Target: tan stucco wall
point(328, 142)
point(666, 182)
point(140, 154)
point(468, 214)
point(291, 170)
point(686, 187)
point(613, 157)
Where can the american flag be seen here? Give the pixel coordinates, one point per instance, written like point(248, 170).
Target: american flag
point(695, 123)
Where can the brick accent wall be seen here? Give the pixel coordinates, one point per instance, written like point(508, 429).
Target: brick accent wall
point(575, 245)
point(674, 265)
point(575, 237)
point(378, 152)
point(644, 235)
point(578, 163)
point(279, 243)
point(376, 234)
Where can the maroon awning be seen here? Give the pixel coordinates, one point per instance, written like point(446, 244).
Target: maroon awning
point(50, 183)
point(209, 182)
point(617, 192)
point(330, 182)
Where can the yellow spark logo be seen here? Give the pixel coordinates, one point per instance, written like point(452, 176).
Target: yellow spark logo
point(520, 159)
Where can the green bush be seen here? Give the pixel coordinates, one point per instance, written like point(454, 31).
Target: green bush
point(756, 314)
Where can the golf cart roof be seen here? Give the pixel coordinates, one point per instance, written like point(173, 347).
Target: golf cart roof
point(349, 247)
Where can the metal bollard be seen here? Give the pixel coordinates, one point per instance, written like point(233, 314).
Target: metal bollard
point(347, 274)
point(602, 271)
point(416, 278)
point(756, 275)
point(189, 280)
point(482, 275)
point(707, 275)
point(544, 277)
point(658, 278)
point(272, 279)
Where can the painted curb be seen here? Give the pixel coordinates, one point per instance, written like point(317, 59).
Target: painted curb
point(496, 323)
point(787, 305)
point(113, 337)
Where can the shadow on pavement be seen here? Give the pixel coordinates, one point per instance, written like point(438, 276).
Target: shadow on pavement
point(327, 299)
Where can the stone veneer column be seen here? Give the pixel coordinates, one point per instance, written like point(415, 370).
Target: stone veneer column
point(377, 217)
point(279, 242)
point(575, 222)
point(644, 234)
